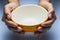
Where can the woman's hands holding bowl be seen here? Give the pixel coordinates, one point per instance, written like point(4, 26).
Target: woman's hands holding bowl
point(7, 17)
point(13, 26)
point(51, 16)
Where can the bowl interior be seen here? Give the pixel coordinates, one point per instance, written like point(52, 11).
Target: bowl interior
point(29, 15)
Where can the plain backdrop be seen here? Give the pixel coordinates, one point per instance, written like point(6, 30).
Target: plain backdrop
point(52, 34)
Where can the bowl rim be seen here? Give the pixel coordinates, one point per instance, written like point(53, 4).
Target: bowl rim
point(31, 5)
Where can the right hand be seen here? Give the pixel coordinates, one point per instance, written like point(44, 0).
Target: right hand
point(7, 17)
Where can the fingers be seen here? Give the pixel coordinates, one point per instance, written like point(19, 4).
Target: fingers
point(38, 32)
point(51, 15)
point(47, 23)
point(44, 26)
point(7, 12)
point(13, 26)
point(7, 17)
point(8, 9)
point(47, 5)
point(39, 29)
point(18, 30)
point(10, 23)
point(50, 8)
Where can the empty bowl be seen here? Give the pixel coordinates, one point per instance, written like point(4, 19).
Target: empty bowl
point(29, 17)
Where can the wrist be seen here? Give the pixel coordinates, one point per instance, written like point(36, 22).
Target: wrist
point(14, 4)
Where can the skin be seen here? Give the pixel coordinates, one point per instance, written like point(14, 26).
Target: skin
point(14, 3)
point(51, 15)
point(7, 15)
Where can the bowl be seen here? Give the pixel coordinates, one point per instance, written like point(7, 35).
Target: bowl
point(29, 17)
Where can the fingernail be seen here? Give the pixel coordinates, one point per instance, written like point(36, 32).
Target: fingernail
point(20, 28)
point(39, 28)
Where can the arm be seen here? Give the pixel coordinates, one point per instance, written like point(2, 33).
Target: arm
point(15, 1)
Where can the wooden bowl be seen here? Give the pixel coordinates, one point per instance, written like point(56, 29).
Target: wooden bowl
point(29, 17)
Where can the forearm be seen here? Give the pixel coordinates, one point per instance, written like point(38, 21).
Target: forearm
point(15, 1)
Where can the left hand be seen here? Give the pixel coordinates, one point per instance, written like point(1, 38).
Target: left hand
point(51, 16)
point(7, 17)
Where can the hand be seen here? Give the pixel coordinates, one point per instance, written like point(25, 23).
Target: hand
point(7, 17)
point(51, 16)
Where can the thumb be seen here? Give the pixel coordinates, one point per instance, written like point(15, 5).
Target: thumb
point(8, 9)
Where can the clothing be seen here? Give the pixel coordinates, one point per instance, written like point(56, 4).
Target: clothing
point(22, 2)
